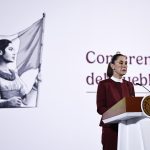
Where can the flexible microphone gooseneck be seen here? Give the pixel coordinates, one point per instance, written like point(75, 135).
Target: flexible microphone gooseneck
point(142, 86)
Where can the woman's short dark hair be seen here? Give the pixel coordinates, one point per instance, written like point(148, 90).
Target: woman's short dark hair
point(113, 59)
point(3, 44)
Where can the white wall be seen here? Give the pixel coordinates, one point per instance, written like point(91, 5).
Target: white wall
point(66, 117)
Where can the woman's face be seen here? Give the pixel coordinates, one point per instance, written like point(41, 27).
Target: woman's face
point(10, 53)
point(119, 67)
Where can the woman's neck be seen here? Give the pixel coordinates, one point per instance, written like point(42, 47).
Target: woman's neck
point(117, 76)
point(4, 67)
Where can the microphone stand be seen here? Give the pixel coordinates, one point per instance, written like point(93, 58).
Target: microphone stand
point(142, 86)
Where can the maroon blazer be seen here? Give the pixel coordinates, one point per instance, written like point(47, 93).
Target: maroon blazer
point(110, 92)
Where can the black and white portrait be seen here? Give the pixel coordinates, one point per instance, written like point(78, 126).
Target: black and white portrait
point(20, 65)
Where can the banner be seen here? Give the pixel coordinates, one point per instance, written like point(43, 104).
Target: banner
point(26, 47)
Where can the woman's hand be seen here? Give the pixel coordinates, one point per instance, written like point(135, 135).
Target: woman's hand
point(37, 80)
point(15, 101)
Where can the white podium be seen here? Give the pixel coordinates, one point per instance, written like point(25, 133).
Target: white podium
point(134, 126)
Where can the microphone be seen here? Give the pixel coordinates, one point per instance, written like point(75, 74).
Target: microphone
point(142, 86)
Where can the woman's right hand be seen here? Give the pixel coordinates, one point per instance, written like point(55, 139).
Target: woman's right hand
point(15, 101)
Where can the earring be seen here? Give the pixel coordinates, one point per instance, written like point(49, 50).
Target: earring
point(1, 53)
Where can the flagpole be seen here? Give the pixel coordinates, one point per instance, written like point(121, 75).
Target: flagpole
point(43, 25)
point(39, 69)
point(44, 15)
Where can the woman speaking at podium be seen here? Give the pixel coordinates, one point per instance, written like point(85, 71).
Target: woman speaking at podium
point(109, 92)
